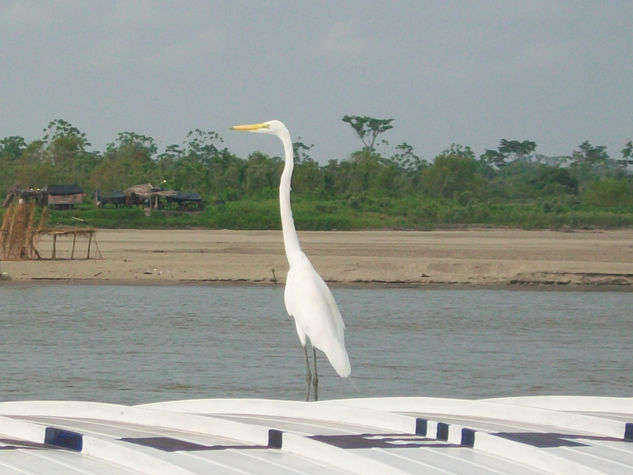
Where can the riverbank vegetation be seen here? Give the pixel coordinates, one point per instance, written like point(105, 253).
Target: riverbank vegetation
point(379, 186)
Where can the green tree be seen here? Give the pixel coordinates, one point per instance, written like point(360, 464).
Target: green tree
point(32, 168)
point(166, 162)
point(515, 149)
point(301, 151)
point(128, 161)
point(493, 158)
point(202, 165)
point(555, 181)
point(406, 160)
point(331, 178)
point(396, 175)
point(459, 150)
point(202, 146)
point(627, 155)
point(610, 192)
point(514, 181)
point(368, 128)
point(307, 177)
point(66, 151)
point(11, 149)
point(59, 128)
point(197, 167)
point(136, 144)
point(262, 175)
point(508, 151)
point(362, 170)
point(228, 175)
point(452, 173)
point(589, 163)
point(589, 158)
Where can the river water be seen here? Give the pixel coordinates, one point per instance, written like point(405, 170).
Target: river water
point(139, 344)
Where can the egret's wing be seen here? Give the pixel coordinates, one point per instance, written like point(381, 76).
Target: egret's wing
point(309, 300)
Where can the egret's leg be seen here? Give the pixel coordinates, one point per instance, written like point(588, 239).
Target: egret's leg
point(315, 377)
point(308, 375)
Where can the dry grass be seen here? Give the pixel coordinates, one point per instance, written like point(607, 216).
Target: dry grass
point(17, 232)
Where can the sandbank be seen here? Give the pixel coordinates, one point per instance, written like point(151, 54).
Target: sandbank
point(465, 257)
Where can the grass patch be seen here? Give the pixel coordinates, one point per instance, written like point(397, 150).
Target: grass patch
point(356, 214)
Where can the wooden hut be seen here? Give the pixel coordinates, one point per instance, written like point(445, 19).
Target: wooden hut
point(64, 196)
point(115, 198)
point(186, 200)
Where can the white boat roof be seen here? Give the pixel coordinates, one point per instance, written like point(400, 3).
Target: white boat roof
point(556, 434)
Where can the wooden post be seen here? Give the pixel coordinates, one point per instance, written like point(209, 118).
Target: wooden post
point(72, 252)
point(89, 242)
point(54, 244)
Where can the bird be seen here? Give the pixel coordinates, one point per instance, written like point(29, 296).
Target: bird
point(307, 297)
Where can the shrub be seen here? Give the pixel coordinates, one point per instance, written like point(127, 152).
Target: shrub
point(610, 192)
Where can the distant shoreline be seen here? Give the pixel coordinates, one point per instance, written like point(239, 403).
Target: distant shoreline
point(333, 285)
point(468, 258)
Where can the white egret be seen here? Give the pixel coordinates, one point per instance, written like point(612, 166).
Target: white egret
point(308, 298)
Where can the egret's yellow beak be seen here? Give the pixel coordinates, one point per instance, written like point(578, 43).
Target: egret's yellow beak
point(250, 127)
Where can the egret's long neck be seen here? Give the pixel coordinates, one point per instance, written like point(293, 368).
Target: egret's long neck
point(291, 240)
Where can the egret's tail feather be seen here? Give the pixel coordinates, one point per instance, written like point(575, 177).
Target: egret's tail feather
point(340, 361)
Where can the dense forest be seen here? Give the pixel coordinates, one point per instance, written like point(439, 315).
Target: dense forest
point(377, 186)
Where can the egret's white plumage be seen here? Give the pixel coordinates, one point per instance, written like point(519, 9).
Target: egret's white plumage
point(308, 298)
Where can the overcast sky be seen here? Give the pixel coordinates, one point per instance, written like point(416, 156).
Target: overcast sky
point(555, 72)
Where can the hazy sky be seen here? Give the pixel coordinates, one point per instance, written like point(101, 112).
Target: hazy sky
point(555, 72)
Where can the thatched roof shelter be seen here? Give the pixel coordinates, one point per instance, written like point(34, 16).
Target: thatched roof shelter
point(143, 191)
point(14, 194)
point(149, 196)
point(145, 194)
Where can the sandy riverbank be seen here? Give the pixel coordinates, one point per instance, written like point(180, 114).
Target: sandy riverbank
point(479, 257)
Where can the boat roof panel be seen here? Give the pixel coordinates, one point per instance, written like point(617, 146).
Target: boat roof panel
point(377, 435)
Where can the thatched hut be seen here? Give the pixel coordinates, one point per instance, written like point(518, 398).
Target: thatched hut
point(28, 195)
point(140, 194)
point(151, 197)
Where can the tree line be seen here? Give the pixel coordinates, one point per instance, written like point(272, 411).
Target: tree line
point(377, 173)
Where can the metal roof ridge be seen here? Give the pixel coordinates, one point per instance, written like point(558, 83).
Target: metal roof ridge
point(209, 425)
point(503, 411)
point(595, 404)
point(118, 450)
point(338, 410)
point(299, 409)
point(108, 450)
